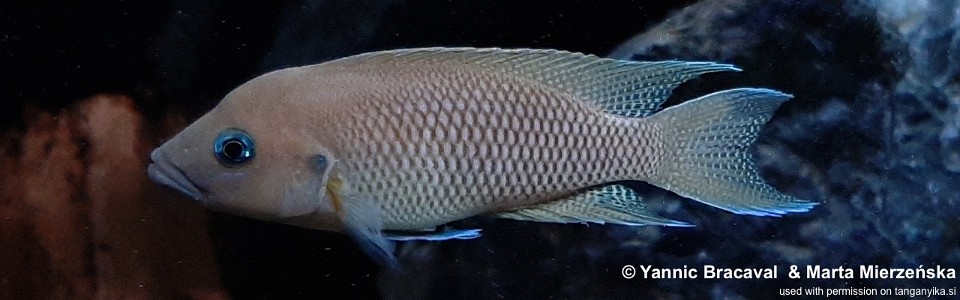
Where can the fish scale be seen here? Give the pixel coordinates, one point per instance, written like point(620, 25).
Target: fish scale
point(505, 121)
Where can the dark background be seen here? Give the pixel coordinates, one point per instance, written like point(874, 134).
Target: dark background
point(191, 53)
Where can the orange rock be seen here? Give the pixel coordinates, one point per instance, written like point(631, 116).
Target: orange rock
point(79, 218)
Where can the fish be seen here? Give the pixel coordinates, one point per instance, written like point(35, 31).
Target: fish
point(393, 145)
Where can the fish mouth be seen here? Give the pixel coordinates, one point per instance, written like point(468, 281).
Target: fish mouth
point(165, 173)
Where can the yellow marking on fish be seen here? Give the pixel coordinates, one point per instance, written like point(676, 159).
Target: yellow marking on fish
point(334, 187)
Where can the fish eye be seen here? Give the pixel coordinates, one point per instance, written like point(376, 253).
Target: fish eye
point(234, 147)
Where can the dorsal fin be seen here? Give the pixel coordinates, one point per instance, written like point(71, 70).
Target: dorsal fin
point(625, 88)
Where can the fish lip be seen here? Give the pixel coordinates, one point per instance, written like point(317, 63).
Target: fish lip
point(165, 173)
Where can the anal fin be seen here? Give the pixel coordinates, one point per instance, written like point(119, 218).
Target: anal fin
point(442, 235)
point(614, 204)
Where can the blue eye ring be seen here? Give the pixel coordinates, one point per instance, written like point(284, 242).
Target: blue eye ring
point(234, 147)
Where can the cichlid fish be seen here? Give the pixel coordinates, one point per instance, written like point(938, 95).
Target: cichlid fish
point(390, 145)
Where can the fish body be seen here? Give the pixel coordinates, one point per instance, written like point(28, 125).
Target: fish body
point(408, 140)
point(435, 142)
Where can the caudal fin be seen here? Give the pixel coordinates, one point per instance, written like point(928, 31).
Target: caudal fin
point(707, 144)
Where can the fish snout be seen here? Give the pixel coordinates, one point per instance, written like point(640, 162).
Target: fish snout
point(164, 172)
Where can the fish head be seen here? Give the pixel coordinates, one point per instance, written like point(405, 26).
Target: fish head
point(245, 157)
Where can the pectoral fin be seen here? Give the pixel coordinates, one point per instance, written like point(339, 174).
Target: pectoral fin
point(442, 235)
point(362, 220)
point(614, 204)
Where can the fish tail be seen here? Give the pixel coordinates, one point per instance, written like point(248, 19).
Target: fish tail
point(707, 145)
